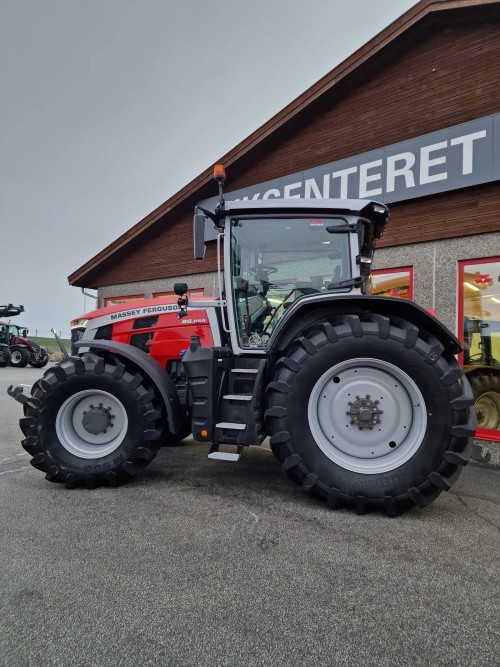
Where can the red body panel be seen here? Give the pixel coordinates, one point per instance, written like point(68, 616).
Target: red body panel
point(168, 338)
point(170, 335)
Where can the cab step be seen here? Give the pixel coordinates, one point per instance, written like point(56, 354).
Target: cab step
point(237, 397)
point(245, 371)
point(216, 455)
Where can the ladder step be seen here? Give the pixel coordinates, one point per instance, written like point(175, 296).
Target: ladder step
point(231, 426)
point(251, 371)
point(237, 397)
point(224, 456)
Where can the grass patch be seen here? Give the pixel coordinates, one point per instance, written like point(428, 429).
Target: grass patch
point(50, 344)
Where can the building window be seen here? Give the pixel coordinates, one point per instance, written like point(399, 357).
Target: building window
point(197, 291)
point(393, 282)
point(479, 328)
point(115, 300)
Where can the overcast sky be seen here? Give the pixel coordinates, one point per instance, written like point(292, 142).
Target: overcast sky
point(108, 107)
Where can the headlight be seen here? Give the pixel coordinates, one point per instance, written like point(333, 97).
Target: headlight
point(79, 323)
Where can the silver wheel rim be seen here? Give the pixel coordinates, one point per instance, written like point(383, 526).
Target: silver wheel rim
point(488, 410)
point(391, 397)
point(73, 435)
point(16, 357)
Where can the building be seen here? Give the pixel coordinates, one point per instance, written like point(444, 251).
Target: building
point(412, 119)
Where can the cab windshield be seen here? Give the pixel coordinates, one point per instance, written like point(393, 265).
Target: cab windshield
point(275, 261)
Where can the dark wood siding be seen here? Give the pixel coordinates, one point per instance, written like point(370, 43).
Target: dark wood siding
point(459, 213)
point(438, 73)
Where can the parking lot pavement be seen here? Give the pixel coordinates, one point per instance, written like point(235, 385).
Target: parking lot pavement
point(213, 563)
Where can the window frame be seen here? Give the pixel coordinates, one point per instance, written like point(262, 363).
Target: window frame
point(108, 300)
point(481, 433)
point(398, 269)
point(196, 291)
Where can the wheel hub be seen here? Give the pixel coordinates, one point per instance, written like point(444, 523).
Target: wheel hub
point(364, 412)
point(91, 423)
point(97, 419)
point(488, 410)
point(360, 439)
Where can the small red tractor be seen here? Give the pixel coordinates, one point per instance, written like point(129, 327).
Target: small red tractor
point(8, 310)
point(22, 350)
point(361, 396)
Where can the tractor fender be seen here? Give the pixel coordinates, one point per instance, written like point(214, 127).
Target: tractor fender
point(158, 376)
point(310, 310)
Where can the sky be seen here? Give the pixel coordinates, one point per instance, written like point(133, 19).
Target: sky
point(109, 107)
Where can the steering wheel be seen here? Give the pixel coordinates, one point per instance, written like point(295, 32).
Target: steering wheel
point(304, 290)
point(255, 270)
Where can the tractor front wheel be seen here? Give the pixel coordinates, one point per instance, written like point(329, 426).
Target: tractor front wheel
point(369, 412)
point(41, 362)
point(91, 422)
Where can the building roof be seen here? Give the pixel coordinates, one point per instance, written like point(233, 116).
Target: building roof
point(197, 188)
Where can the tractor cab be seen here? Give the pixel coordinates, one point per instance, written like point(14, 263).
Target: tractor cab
point(279, 257)
point(280, 254)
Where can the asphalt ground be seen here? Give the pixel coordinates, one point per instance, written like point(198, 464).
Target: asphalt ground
point(203, 563)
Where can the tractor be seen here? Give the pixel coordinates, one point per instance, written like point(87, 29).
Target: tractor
point(23, 350)
point(360, 398)
point(8, 310)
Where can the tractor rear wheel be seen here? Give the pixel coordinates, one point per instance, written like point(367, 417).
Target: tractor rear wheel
point(485, 383)
point(91, 422)
point(4, 357)
point(19, 357)
point(371, 413)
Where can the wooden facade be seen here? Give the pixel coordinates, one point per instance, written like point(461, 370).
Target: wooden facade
point(441, 70)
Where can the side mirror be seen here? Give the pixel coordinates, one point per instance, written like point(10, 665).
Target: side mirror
point(180, 288)
point(199, 236)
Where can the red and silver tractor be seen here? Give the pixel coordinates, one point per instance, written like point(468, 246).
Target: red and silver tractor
point(23, 350)
point(361, 396)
